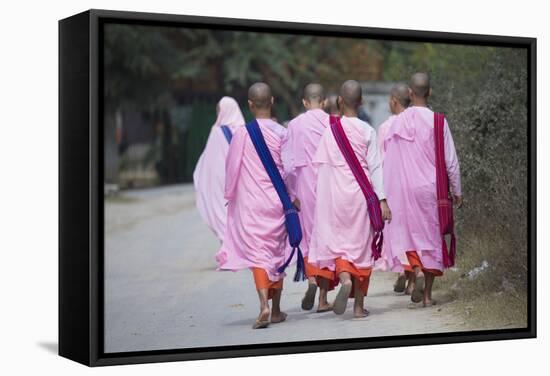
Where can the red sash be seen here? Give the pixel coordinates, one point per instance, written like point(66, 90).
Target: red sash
point(373, 204)
point(444, 203)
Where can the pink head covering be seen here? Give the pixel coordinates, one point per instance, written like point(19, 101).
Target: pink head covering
point(229, 113)
point(209, 174)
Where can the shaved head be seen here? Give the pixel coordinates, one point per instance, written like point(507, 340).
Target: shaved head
point(351, 93)
point(400, 92)
point(420, 84)
point(314, 93)
point(331, 105)
point(260, 95)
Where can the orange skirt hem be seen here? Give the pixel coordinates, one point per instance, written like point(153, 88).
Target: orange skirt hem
point(262, 281)
point(320, 273)
point(359, 275)
point(408, 268)
point(414, 261)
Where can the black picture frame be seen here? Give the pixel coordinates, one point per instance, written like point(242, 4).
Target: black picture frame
point(81, 188)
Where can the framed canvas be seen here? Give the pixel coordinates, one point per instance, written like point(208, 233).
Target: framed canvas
point(174, 229)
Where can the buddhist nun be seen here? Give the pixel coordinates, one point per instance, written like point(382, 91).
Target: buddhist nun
point(209, 174)
point(399, 100)
point(410, 182)
point(255, 236)
point(342, 233)
point(304, 134)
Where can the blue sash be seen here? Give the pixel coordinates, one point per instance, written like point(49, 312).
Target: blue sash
point(292, 221)
point(227, 133)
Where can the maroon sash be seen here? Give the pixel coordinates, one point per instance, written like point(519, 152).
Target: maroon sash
point(373, 204)
point(444, 203)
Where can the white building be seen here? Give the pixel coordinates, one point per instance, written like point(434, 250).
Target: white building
point(375, 101)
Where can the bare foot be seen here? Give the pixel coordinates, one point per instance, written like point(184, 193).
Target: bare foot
point(278, 317)
point(325, 307)
point(409, 289)
point(429, 303)
point(263, 319)
point(360, 312)
point(264, 314)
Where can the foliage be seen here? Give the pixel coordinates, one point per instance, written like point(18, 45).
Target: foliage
point(138, 63)
point(491, 132)
point(144, 65)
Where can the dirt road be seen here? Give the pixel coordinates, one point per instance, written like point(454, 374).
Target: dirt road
point(162, 290)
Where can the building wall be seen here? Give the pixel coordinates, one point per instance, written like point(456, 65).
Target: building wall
point(375, 101)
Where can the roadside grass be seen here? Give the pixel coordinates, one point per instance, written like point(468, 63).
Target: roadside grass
point(487, 287)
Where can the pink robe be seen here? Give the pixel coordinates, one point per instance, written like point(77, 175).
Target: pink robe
point(342, 227)
point(381, 134)
point(298, 149)
point(209, 174)
point(409, 173)
point(255, 235)
point(386, 262)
